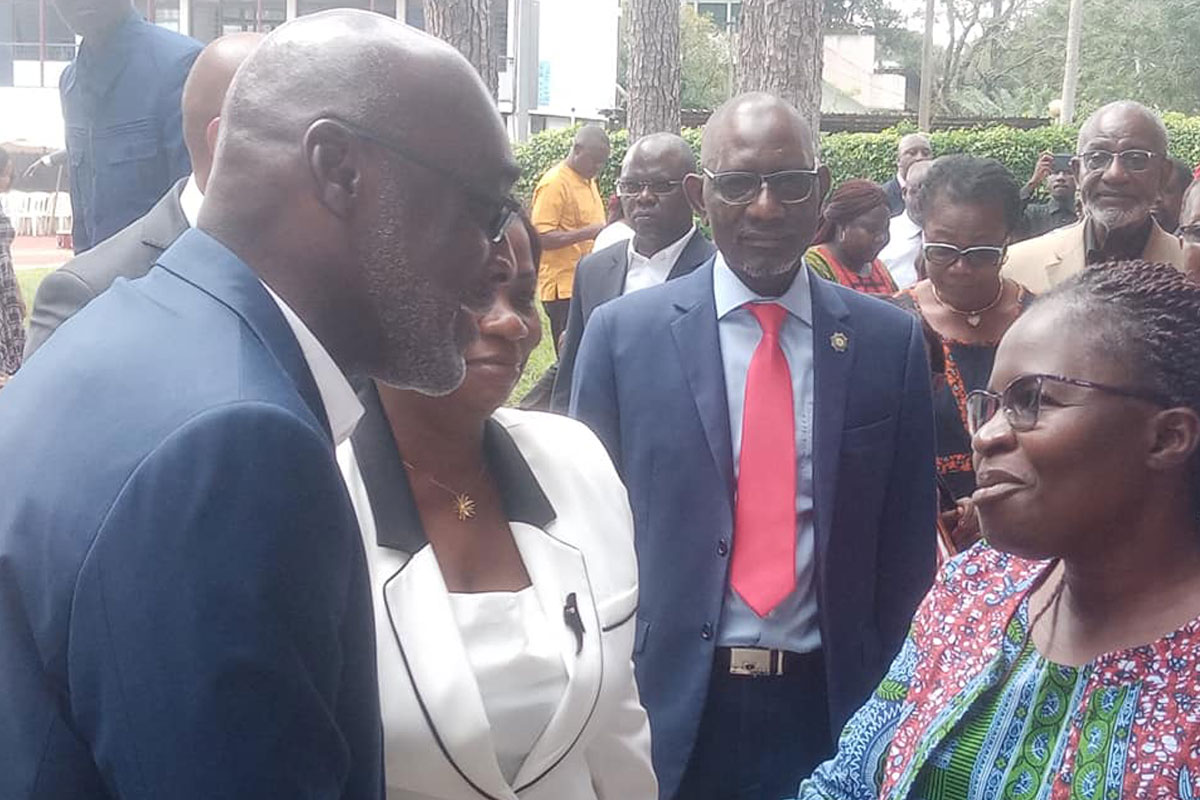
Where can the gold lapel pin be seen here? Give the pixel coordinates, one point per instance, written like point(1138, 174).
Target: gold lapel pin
point(839, 341)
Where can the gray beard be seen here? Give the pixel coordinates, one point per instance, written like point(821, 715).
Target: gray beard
point(1112, 219)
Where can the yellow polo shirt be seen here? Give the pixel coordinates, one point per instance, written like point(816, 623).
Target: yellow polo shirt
point(564, 201)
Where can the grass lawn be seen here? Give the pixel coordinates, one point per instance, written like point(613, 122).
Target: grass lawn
point(542, 358)
point(28, 280)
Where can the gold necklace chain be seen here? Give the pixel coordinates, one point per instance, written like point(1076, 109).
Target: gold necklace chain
point(973, 317)
point(464, 504)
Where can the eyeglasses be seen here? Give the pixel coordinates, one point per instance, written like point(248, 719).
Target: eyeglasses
point(628, 188)
point(1022, 400)
point(498, 211)
point(1131, 160)
point(1190, 234)
point(789, 186)
point(940, 254)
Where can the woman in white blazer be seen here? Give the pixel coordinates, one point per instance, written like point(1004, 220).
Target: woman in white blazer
point(504, 580)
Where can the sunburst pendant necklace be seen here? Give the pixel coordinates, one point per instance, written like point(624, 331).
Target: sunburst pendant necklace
point(464, 504)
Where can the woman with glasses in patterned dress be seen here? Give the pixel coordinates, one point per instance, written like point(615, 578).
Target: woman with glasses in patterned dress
point(1061, 659)
point(972, 207)
point(854, 228)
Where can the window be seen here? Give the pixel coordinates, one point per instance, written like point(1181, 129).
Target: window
point(717, 12)
point(160, 12)
point(385, 7)
point(215, 18)
point(23, 59)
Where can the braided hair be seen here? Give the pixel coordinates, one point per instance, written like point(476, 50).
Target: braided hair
point(1148, 315)
point(847, 203)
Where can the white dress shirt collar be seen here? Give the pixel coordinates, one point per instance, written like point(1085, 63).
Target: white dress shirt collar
point(646, 271)
point(190, 199)
point(342, 407)
point(731, 294)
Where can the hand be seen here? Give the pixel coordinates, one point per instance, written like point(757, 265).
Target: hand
point(963, 524)
point(1045, 165)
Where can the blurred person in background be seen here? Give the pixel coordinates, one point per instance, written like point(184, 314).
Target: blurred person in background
point(1060, 210)
point(913, 148)
point(568, 214)
point(121, 106)
point(132, 252)
point(1170, 199)
point(616, 228)
point(902, 254)
point(854, 228)
point(12, 305)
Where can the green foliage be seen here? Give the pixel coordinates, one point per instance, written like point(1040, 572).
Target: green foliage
point(870, 155)
point(1144, 51)
point(706, 61)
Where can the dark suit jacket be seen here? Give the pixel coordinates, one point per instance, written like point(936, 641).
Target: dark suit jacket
point(895, 196)
point(650, 383)
point(600, 277)
point(185, 609)
point(129, 254)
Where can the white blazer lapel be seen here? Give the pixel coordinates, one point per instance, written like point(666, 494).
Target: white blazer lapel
point(435, 659)
point(557, 571)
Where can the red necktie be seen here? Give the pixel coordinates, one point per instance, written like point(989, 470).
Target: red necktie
point(763, 571)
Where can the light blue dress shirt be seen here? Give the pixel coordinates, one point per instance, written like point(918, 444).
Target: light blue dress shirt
point(793, 624)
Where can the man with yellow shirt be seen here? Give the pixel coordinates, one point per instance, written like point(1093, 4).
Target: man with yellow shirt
point(568, 213)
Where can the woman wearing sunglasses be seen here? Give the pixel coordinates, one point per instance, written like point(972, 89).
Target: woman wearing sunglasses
point(972, 207)
point(500, 549)
point(854, 228)
point(1062, 658)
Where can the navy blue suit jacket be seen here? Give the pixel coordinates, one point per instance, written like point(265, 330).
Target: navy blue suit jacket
point(650, 383)
point(184, 605)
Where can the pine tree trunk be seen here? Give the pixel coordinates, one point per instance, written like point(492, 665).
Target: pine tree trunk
point(654, 68)
point(781, 52)
point(466, 24)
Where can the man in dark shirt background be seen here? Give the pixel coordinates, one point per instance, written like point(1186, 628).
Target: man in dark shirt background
point(121, 106)
point(1170, 199)
point(1059, 210)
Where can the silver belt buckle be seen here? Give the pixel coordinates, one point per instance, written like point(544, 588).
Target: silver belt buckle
point(754, 662)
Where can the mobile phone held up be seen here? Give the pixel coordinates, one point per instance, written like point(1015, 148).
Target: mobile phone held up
point(1062, 162)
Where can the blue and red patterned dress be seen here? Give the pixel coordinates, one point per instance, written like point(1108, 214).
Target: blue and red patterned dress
point(971, 711)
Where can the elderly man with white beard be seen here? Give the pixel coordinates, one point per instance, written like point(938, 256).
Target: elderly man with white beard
point(1121, 165)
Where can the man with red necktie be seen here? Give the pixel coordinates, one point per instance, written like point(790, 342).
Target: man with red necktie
point(775, 432)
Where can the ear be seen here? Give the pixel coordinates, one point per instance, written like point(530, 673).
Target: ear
point(1077, 171)
point(824, 182)
point(334, 155)
point(1176, 436)
point(210, 135)
point(693, 190)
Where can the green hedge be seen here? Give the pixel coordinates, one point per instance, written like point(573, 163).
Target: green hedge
point(870, 155)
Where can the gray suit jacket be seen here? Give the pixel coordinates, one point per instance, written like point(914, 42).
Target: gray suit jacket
point(600, 277)
point(128, 254)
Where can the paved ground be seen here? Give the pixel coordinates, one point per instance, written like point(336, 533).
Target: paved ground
point(38, 252)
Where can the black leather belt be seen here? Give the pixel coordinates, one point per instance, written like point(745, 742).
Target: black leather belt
point(757, 662)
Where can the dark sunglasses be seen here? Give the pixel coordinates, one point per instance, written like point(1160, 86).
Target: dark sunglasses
point(1021, 400)
point(498, 211)
point(940, 254)
point(1131, 160)
point(789, 186)
point(629, 188)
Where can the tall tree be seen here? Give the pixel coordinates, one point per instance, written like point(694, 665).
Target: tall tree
point(781, 51)
point(706, 60)
point(654, 67)
point(467, 24)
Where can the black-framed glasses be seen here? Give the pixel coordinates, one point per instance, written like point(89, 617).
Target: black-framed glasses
point(789, 186)
point(500, 211)
point(1131, 160)
point(631, 188)
point(1190, 233)
point(1021, 400)
point(940, 254)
